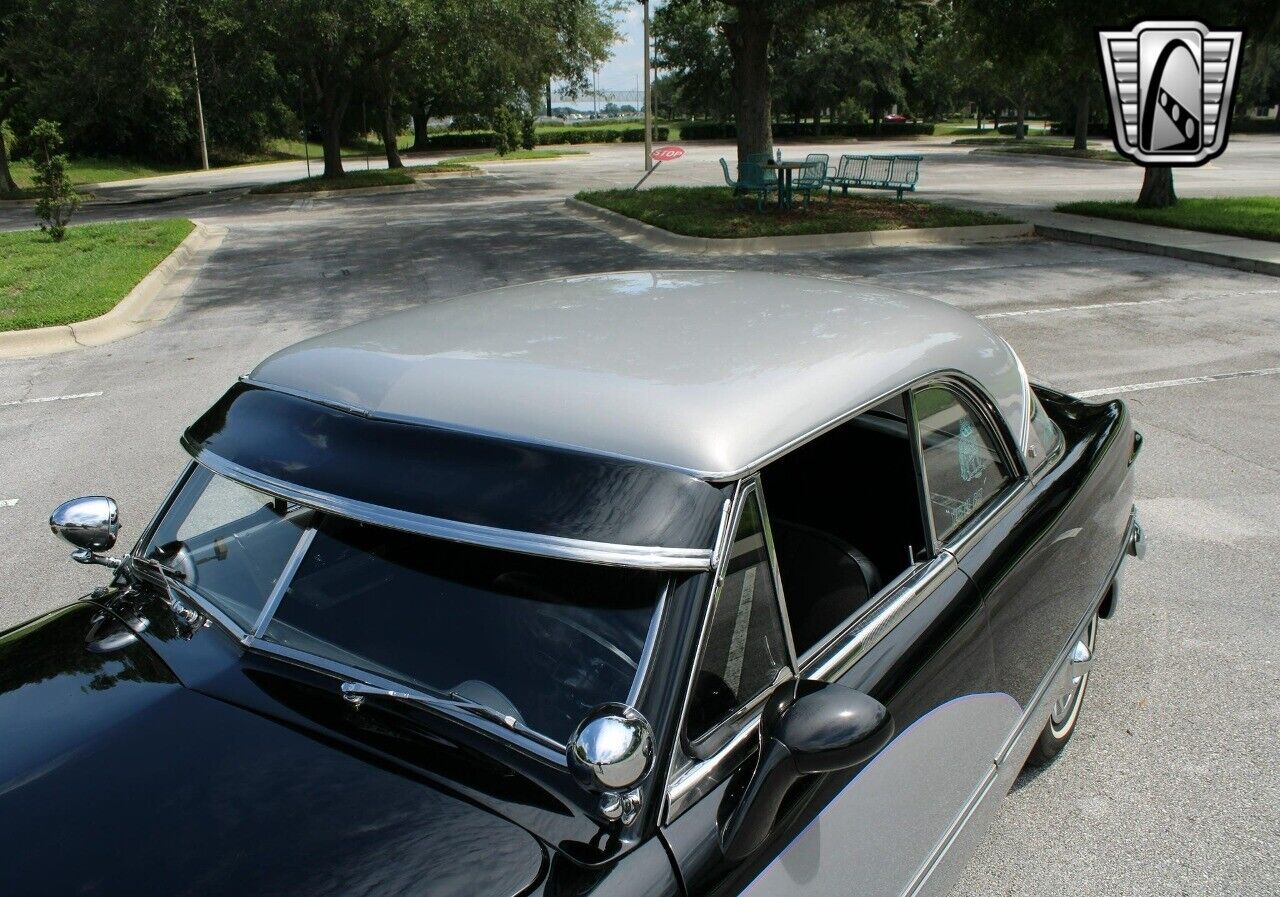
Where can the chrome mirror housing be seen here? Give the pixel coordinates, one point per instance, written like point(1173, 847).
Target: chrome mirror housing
point(611, 750)
point(90, 523)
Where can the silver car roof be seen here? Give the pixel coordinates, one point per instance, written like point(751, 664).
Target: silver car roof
point(708, 372)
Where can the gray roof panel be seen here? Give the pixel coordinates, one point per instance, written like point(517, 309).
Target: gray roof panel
point(704, 371)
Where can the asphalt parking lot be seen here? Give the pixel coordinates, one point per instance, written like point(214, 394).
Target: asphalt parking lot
point(1171, 786)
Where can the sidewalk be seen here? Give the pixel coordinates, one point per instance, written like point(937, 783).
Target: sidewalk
point(1259, 256)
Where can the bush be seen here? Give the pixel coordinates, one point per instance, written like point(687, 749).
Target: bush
point(1255, 125)
point(528, 132)
point(727, 131)
point(572, 135)
point(57, 198)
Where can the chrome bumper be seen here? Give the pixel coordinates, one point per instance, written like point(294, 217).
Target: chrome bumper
point(1135, 545)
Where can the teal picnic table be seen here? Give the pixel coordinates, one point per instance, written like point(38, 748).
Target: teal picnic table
point(784, 167)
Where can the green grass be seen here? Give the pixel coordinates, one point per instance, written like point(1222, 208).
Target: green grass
point(1255, 217)
point(1037, 146)
point(44, 283)
point(445, 165)
point(352, 180)
point(710, 212)
point(96, 170)
point(969, 129)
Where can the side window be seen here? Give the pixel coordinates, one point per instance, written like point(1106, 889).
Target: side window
point(846, 520)
point(963, 465)
point(745, 647)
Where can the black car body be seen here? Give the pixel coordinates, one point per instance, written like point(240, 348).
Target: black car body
point(371, 648)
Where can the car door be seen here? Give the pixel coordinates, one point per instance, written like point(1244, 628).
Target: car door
point(920, 645)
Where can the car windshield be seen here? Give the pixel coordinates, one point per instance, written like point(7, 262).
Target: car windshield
point(542, 640)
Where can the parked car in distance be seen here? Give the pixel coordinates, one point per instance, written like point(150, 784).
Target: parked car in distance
point(895, 118)
point(644, 583)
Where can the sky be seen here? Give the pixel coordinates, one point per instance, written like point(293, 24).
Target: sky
point(624, 70)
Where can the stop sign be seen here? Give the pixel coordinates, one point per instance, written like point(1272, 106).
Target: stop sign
point(667, 153)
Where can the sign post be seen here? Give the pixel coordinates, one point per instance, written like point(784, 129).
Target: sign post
point(658, 156)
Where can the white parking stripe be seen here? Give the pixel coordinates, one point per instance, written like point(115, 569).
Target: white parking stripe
point(8, 502)
point(78, 395)
point(1182, 381)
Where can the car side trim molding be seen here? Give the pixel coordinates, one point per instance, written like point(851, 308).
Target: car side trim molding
point(638, 556)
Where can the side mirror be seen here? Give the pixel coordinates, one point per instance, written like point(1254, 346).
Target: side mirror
point(807, 727)
point(90, 524)
point(609, 753)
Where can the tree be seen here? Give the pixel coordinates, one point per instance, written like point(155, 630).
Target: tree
point(688, 44)
point(10, 11)
point(57, 200)
point(333, 45)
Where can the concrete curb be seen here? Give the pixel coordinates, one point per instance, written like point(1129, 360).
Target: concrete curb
point(143, 307)
point(1183, 253)
point(987, 151)
point(656, 238)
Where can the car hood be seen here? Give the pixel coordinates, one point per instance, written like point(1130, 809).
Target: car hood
point(116, 779)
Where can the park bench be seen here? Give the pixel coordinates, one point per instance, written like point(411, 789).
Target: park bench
point(898, 173)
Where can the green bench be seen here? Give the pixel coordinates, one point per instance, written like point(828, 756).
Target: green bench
point(898, 173)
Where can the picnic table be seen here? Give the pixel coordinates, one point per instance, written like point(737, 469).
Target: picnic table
point(784, 168)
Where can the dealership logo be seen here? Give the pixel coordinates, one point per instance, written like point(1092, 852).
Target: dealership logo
point(1171, 86)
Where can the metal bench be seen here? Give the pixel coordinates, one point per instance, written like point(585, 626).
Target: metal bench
point(898, 173)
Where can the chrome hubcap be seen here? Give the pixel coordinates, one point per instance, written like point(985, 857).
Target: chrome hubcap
point(1081, 661)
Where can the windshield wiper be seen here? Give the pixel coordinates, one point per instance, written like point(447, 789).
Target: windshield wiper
point(355, 693)
point(172, 582)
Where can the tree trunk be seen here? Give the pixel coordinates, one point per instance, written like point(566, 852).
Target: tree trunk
point(978, 116)
point(420, 119)
point(390, 136)
point(748, 40)
point(1157, 188)
point(1082, 117)
point(335, 107)
point(1021, 130)
point(7, 184)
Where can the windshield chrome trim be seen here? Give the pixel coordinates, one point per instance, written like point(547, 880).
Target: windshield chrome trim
point(635, 556)
point(531, 742)
point(283, 581)
point(641, 677)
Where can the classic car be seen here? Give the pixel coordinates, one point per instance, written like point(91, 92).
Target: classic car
point(650, 583)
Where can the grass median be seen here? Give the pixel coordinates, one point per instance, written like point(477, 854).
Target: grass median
point(712, 212)
point(43, 283)
point(352, 180)
point(1254, 217)
point(1038, 147)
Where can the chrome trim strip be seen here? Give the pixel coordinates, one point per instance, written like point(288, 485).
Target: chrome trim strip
point(531, 742)
point(637, 556)
point(692, 782)
point(944, 374)
point(880, 618)
point(283, 581)
point(641, 675)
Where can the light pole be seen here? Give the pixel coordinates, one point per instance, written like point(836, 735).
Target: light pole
point(648, 95)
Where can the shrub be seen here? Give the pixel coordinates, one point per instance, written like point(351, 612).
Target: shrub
point(506, 130)
point(57, 198)
point(528, 132)
point(728, 131)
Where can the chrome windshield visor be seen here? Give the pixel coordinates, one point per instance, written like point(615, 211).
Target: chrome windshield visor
point(467, 487)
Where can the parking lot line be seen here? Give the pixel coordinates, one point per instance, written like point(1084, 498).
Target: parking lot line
point(1181, 381)
point(78, 395)
point(8, 502)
